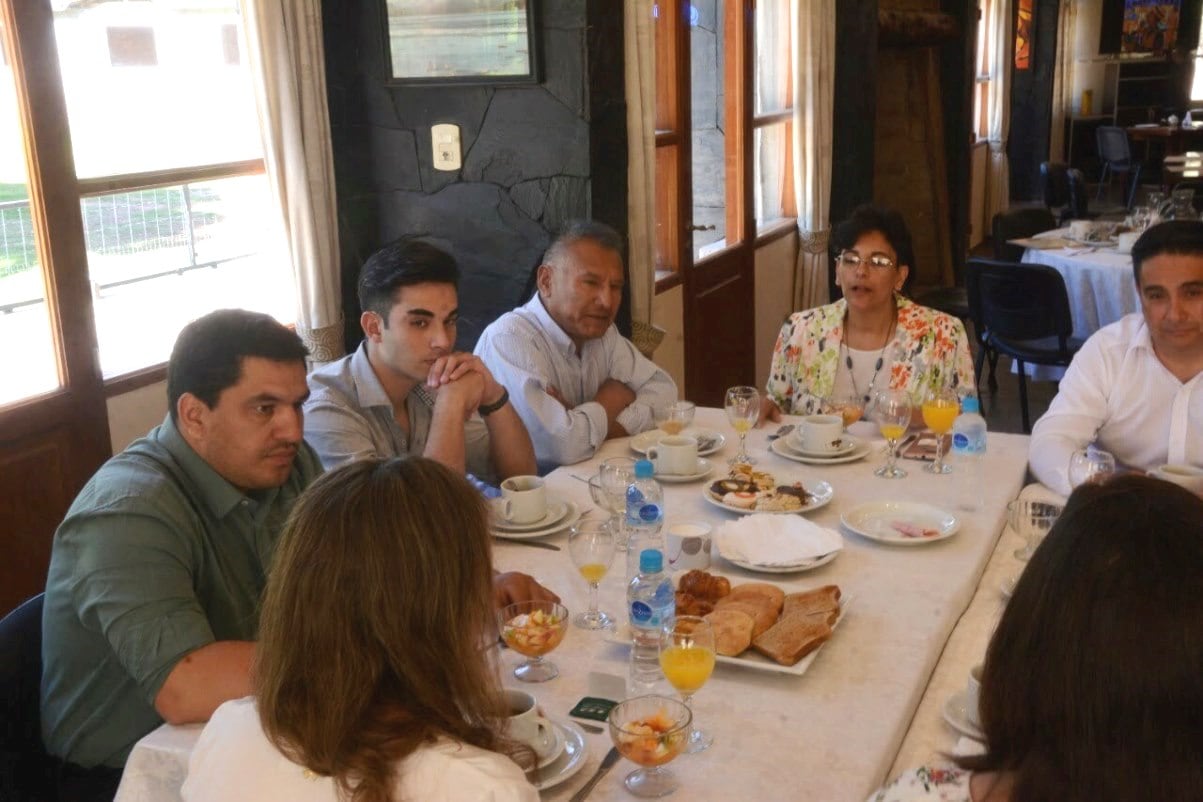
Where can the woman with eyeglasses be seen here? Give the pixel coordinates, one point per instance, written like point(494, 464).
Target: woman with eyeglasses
point(873, 338)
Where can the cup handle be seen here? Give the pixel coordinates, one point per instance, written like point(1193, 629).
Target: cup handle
point(547, 737)
point(653, 454)
point(507, 509)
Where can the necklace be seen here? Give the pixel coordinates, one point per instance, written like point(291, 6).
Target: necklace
point(846, 353)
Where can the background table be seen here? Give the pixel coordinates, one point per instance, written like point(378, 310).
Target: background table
point(1099, 281)
point(829, 735)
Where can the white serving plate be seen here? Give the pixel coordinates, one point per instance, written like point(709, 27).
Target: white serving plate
point(821, 494)
point(778, 569)
point(872, 520)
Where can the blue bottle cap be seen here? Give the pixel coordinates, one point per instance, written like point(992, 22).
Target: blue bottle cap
point(651, 561)
point(970, 404)
point(643, 469)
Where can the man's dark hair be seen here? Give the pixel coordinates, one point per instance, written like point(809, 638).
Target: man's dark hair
point(889, 223)
point(207, 357)
point(1173, 236)
point(600, 234)
point(402, 263)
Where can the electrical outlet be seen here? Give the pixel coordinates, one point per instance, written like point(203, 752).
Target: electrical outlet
point(444, 141)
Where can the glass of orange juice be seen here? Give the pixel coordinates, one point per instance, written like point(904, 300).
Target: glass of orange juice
point(687, 660)
point(940, 409)
point(743, 410)
point(591, 547)
point(673, 418)
point(849, 406)
point(893, 418)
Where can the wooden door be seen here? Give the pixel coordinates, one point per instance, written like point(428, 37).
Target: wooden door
point(53, 421)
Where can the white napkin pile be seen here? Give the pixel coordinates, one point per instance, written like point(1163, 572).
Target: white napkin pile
point(776, 540)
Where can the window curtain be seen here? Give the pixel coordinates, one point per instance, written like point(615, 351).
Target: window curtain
point(640, 54)
point(999, 41)
point(1063, 80)
point(814, 60)
point(288, 68)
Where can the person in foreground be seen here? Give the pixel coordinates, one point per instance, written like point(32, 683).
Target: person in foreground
point(404, 390)
point(156, 572)
point(873, 338)
point(383, 573)
point(1136, 387)
point(573, 378)
point(1090, 690)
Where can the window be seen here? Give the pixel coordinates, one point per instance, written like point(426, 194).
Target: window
point(773, 114)
point(981, 87)
point(229, 45)
point(132, 47)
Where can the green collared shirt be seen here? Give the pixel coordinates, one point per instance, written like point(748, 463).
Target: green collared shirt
point(157, 557)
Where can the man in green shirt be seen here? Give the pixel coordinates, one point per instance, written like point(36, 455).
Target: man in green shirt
point(156, 573)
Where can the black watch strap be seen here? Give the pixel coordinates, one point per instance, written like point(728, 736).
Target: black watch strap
point(488, 409)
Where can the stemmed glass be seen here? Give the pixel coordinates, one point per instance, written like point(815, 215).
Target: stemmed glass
point(534, 628)
point(743, 410)
point(1090, 465)
point(893, 417)
point(1031, 520)
point(615, 475)
point(675, 417)
point(650, 731)
point(940, 409)
point(849, 406)
point(687, 660)
point(591, 547)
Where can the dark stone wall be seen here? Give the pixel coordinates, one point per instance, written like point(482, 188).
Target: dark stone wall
point(530, 153)
point(1032, 105)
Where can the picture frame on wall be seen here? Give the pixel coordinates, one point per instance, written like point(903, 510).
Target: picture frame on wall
point(439, 42)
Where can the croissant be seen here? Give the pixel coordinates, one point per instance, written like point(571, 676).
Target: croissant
point(704, 585)
point(688, 604)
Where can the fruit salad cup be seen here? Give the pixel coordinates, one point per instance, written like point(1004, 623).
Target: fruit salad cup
point(650, 731)
point(534, 628)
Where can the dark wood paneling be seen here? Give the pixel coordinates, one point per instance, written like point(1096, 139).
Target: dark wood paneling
point(35, 490)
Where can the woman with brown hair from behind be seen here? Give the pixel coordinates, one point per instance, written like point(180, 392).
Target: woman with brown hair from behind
point(1092, 689)
point(372, 680)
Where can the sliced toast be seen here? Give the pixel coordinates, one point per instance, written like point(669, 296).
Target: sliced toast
point(792, 638)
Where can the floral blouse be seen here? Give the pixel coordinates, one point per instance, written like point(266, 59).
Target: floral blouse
point(927, 784)
point(931, 351)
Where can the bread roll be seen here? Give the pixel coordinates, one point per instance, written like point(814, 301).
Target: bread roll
point(771, 595)
point(704, 585)
point(688, 604)
point(761, 612)
point(732, 631)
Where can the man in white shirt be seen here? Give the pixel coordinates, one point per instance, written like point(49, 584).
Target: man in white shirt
point(1136, 387)
point(573, 378)
point(405, 390)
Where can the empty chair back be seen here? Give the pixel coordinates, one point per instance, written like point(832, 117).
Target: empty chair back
point(1054, 184)
point(1079, 194)
point(1018, 224)
point(1113, 145)
point(26, 772)
point(1018, 301)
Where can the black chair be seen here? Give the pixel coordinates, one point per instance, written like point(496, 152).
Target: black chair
point(1018, 224)
point(1116, 156)
point(26, 771)
point(1023, 310)
point(1054, 188)
point(1079, 195)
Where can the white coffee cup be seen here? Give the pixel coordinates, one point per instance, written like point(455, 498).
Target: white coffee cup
point(675, 454)
point(821, 434)
point(689, 545)
point(1187, 476)
point(1080, 230)
point(523, 499)
point(1126, 240)
point(973, 696)
point(527, 725)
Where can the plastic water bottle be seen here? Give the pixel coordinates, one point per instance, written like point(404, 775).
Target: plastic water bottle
point(651, 603)
point(968, 454)
point(644, 520)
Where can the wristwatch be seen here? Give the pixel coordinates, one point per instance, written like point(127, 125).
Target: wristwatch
point(488, 409)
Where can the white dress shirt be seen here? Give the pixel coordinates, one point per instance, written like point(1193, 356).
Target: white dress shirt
point(233, 761)
point(527, 351)
point(1116, 393)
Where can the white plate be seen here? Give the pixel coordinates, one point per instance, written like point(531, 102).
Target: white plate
point(782, 449)
point(705, 466)
point(645, 440)
point(956, 714)
point(848, 444)
point(751, 659)
point(821, 494)
point(567, 764)
point(555, 511)
point(568, 520)
point(778, 569)
point(872, 520)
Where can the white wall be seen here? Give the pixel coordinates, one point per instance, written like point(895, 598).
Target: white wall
point(1088, 73)
point(135, 413)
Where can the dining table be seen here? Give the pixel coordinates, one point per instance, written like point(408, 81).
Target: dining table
point(831, 733)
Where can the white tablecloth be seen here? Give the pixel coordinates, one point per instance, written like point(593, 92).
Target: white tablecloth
point(1100, 284)
point(829, 735)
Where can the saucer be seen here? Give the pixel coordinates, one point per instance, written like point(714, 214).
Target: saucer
point(557, 747)
point(956, 714)
point(555, 511)
point(573, 514)
point(704, 469)
point(848, 444)
point(709, 441)
point(571, 760)
point(783, 449)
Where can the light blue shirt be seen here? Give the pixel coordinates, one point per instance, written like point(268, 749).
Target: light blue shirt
point(527, 352)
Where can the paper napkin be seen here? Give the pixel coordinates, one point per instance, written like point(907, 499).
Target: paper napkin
point(776, 540)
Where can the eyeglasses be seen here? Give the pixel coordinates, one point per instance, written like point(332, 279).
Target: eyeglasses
point(852, 260)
